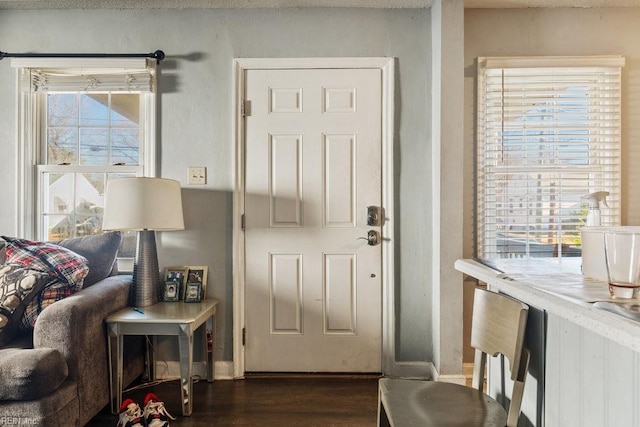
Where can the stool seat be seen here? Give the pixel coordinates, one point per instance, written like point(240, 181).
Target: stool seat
point(438, 404)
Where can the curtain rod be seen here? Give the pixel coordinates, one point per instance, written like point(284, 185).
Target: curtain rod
point(158, 55)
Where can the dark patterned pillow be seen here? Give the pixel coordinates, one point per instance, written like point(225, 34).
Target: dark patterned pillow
point(52, 292)
point(18, 286)
point(66, 265)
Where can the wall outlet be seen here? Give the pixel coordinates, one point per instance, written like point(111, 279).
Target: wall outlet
point(197, 175)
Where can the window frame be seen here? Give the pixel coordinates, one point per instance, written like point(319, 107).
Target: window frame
point(31, 135)
point(482, 140)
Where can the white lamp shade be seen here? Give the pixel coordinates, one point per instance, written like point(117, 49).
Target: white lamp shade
point(143, 204)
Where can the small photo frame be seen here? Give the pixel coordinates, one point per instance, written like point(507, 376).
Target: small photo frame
point(193, 292)
point(198, 274)
point(176, 274)
point(171, 291)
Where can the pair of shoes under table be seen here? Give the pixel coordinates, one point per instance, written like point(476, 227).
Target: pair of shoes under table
point(153, 415)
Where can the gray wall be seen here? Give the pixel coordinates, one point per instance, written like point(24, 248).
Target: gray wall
point(196, 117)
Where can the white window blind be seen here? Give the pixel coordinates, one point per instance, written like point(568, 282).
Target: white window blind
point(86, 74)
point(548, 132)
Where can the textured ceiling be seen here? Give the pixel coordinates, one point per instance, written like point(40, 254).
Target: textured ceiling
point(390, 4)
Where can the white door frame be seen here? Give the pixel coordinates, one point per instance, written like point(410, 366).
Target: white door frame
point(387, 66)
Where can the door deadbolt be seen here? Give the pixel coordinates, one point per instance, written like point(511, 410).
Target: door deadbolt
point(373, 238)
point(373, 216)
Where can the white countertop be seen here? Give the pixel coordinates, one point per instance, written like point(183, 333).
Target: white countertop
point(558, 287)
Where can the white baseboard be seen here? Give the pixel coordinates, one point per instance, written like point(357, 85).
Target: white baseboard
point(224, 371)
point(171, 370)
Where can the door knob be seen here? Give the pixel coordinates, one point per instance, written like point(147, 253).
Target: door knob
point(373, 238)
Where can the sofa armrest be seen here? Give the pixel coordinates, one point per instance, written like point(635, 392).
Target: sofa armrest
point(75, 325)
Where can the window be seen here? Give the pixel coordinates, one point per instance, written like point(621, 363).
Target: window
point(548, 132)
point(81, 122)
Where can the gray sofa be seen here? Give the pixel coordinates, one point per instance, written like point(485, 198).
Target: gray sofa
point(59, 375)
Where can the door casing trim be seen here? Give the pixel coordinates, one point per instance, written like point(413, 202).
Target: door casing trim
point(387, 67)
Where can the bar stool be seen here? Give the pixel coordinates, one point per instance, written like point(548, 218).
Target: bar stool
point(498, 327)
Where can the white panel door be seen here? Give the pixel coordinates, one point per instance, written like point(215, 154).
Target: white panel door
point(313, 165)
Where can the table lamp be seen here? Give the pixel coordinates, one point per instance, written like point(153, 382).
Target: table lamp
point(145, 205)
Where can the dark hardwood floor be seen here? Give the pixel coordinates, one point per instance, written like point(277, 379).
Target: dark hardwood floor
point(269, 400)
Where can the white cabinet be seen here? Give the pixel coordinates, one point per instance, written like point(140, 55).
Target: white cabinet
point(585, 364)
point(590, 380)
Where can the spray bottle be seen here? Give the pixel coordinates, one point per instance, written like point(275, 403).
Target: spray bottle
point(594, 199)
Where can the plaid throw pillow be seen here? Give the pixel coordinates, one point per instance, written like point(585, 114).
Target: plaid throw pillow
point(51, 293)
point(55, 260)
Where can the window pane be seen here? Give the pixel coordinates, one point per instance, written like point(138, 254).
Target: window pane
point(58, 193)
point(57, 227)
point(128, 245)
point(125, 110)
point(125, 146)
point(88, 224)
point(62, 109)
point(94, 109)
point(97, 180)
point(94, 148)
point(73, 204)
point(89, 205)
point(120, 175)
point(62, 145)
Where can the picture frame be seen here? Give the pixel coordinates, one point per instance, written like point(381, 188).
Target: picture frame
point(176, 274)
point(198, 274)
point(193, 292)
point(171, 291)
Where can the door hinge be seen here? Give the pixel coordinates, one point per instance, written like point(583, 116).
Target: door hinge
point(244, 336)
point(243, 224)
point(245, 108)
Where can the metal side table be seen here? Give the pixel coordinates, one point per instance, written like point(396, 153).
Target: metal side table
point(165, 318)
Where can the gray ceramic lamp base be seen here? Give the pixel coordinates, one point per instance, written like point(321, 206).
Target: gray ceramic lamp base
point(145, 289)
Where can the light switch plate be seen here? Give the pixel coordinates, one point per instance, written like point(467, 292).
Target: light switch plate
point(197, 175)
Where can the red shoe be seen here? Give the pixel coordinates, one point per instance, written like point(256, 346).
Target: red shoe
point(130, 414)
point(155, 414)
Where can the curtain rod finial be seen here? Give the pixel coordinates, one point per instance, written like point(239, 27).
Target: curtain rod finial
point(158, 55)
point(2, 55)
